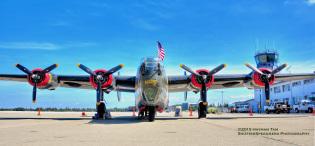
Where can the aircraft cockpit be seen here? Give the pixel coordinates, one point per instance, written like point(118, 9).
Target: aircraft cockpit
point(150, 66)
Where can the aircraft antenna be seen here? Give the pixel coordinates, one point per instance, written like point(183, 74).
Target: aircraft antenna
point(257, 44)
point(289, 69)
point(273, 45)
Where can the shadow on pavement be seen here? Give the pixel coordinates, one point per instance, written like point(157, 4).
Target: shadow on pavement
point(39, 118)
point(253, 117)
point(130, 119)
point(117, 120)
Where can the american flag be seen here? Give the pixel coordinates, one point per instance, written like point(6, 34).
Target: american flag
point(161, 52)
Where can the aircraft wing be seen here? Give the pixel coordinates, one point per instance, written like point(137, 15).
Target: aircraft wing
point(179, 83)
point(122, 83)
point(182, 83)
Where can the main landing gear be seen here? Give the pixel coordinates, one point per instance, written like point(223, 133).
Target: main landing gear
point(100, 79)
point(202, 110)
point(101, 112)
point(148, 112)
point(203, 78)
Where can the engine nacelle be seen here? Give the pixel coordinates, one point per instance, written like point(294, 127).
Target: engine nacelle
point(108, 80)
point(46, 81)
point(257, 80)
point(196, 82)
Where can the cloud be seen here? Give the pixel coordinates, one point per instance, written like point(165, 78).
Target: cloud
point(242, 96)
point(306, 66)
point(43, 45)
point(310, 2)
point(29, 45)
point(144, 24)
point(297, 2)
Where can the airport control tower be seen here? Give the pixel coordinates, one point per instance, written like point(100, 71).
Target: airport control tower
point(264, 59)
point(267, 59)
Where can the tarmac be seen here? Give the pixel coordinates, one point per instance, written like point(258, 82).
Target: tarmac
point(70, 128)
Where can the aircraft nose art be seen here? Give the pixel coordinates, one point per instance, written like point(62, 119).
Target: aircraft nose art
point(150, 90)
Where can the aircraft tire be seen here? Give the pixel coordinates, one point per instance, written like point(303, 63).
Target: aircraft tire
point(101, 110)
point(310, 110)
point(202, 113)
point(278, 111)
point(151, 110)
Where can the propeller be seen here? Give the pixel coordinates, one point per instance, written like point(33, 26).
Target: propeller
point(36, 76)
point(204, 79)
point(118, 92)
point(100, 78)
point(266, 77)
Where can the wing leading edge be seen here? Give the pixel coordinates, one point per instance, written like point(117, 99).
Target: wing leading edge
point(179, 83)
point(122, 83)
point(182, 83)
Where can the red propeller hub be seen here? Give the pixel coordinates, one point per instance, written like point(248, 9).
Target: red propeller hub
point(258, 80)
point(43, 80)
point(106, 82)
point(197, 82)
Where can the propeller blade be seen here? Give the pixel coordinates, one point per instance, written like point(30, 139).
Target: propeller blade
point(24, 69)
point(114, 69)
point(34, 93)
point(185, 93)
point(188, 69)
point(98, 93)
point(217, 69)
point(50, 68)
point(254, 68)
point(267, 92)
point(86, 69)
point(278, 69)
point(118, 96)
point(118, 92)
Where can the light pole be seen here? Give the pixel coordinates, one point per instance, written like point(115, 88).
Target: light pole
point(222, 99)
point(260, 94)
point(290, 86)
point(222, 92)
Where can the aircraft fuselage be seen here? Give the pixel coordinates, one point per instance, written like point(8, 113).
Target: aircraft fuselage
point(151, 85)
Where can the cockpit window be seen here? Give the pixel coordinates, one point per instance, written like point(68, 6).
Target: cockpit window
point(151, 66)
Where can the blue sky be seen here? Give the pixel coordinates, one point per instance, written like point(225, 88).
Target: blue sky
point(102, 34)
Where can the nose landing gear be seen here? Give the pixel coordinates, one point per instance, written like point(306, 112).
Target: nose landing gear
point(152, 112)
point(148, 112)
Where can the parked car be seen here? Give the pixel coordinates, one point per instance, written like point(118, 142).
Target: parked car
point(304, 106)
point(232, 109)
point(212, 110)
point(242, 108)
point(278, 107)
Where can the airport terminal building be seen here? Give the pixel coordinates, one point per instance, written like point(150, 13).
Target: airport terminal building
point(291, 92)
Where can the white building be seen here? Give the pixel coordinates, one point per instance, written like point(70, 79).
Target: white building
point(292, 92)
